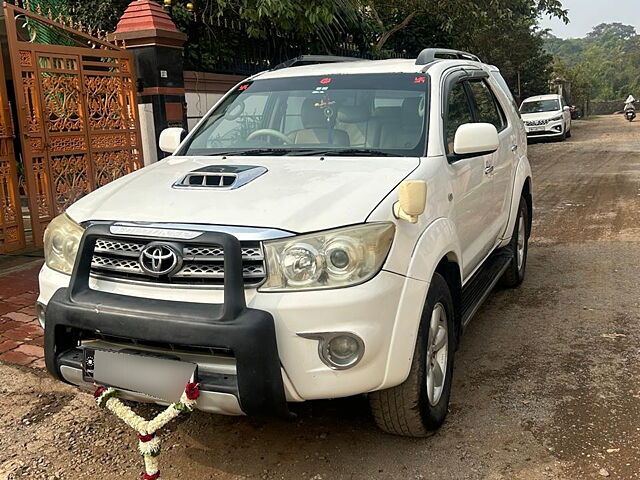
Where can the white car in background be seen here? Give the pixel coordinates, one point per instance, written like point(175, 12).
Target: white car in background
point(546, 116)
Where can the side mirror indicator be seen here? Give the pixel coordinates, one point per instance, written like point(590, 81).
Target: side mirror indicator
point(412, 200)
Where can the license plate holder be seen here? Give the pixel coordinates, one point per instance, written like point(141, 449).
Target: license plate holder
point(160, 377)
point(537, 129)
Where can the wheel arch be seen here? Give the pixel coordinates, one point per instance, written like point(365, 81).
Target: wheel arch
point(449, 268)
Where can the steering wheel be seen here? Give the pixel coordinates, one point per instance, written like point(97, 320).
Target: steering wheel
point(269, 132)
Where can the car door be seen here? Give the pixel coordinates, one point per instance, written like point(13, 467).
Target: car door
point(500, 172)
point(470, 185)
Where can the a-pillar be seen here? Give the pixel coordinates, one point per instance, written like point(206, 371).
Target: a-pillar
point(148, 31)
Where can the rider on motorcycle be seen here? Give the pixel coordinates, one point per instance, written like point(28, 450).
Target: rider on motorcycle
point(629, 104)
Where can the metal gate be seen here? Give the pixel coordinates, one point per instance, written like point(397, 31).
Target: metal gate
point(77, 112)
point(11, 228)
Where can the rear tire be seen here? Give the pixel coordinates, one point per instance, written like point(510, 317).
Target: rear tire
point(519, 246)
point(419, 406)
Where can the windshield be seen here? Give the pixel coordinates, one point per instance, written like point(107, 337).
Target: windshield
point(540, 106)
point(382, 114)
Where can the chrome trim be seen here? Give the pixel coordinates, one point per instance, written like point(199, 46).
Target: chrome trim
point(186, 286)
point(323, 339)
point(132, 229)
point(241, 178)
point(183, 230)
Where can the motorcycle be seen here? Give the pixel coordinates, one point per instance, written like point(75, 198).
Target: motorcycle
point(630, 114)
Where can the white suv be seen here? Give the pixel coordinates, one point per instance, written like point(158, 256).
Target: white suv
point(546, 116)
point(326, 231)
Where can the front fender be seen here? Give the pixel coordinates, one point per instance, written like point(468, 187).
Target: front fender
point(439, 240)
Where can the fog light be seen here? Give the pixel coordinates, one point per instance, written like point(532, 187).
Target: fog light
point(40, 313)
point(558, 128)
point(338, 350)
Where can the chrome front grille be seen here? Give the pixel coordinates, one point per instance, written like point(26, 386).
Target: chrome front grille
point(202, 264)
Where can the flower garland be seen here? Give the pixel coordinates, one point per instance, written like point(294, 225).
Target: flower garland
point(148, 442)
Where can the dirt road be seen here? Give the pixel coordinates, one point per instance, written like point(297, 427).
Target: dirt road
point(546, 382)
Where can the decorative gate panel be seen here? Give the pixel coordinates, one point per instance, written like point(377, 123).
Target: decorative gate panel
point(11, 227)
point(77, 110)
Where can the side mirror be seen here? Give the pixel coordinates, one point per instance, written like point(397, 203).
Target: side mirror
point(171, 138)
point(476, 139)
point(412, 200)
point(566, 108)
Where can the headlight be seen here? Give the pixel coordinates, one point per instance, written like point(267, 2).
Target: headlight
point(335, 258)
point(555, 119)
point(61, 241)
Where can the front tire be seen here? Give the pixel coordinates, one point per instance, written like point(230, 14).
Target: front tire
point(419, 406)
point(519, 246)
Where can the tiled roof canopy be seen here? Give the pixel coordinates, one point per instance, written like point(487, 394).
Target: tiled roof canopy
point(145, 15)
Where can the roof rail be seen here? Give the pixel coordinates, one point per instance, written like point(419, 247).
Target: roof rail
point(429, 55)
point(313, 60)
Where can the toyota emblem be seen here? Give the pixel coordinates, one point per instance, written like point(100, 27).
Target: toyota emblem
point(159, 259)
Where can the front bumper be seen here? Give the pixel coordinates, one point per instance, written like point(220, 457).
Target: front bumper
point(383, 312)
point(551, 129)
point(77, 311)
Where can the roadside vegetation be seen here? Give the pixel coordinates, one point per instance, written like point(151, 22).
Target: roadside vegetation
point(604, 65)
point(243, 36)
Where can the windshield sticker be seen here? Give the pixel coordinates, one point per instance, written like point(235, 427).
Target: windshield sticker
point(320, 90)
point(419, 80)
point(243, 87)
point(325, 81)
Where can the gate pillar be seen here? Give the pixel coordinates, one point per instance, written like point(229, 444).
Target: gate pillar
point(148, 31)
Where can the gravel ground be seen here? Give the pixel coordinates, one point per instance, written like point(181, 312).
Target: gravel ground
point(546, 381)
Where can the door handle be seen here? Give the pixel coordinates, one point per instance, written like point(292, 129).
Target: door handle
point(488, 170)
point(514, 148)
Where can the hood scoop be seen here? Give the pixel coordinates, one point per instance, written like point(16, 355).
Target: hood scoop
point(220, 177)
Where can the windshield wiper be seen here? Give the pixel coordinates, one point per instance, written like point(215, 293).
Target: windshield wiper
point(253, 151)
point(346, 152)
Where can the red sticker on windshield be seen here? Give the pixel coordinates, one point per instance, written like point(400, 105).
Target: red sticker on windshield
point(242, 88)
point(325, 80)
point(419, 80)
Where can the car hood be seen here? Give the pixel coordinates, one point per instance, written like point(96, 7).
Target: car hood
point(528, 117)
point(298, 194)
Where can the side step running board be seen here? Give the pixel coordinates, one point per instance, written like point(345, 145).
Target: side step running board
point(476, 291)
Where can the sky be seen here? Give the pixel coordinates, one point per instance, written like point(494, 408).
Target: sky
point(586, 14)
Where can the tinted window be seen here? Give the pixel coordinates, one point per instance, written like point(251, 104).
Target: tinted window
point(539, 106)
point(486, 105)
point(458, 113)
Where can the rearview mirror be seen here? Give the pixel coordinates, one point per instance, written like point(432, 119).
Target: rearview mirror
point(412, 200)
point(474, 139)
point(171, 138)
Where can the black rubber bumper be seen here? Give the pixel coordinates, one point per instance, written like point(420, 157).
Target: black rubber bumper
point(248, 333)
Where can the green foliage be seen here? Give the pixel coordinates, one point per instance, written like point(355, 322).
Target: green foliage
point(221, 32)
point(501, 32)
point(605, 65)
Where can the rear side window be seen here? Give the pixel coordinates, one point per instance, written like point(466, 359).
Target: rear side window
point(458, 113)
point(486, 106)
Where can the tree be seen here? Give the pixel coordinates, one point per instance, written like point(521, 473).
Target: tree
point(605, 65)
point(609, 31)
point(392, 16)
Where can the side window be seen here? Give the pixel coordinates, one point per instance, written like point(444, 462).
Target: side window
point(486, 105)
point(458, 113)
